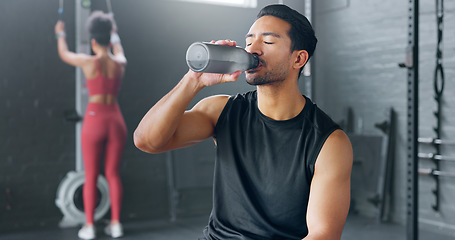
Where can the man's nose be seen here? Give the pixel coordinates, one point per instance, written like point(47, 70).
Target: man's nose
point(255, 48)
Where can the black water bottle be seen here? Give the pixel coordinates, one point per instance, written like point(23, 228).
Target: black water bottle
point(214, 58)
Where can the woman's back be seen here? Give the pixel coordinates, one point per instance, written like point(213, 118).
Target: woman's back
point(103, 75)
point(106, 65)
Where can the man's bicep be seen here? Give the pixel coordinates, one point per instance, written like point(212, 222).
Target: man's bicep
point(330, 188)
point(211, 108)
point(198, 123)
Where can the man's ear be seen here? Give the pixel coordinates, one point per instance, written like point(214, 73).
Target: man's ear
point(301, 59)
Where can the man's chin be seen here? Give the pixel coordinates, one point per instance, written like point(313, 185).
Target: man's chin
point(250, 80)
point(254, 82)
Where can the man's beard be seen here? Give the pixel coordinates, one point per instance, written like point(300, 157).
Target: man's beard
point(268, 77)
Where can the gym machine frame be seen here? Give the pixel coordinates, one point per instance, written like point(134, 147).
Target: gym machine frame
point(438, 90)
point(412, 64)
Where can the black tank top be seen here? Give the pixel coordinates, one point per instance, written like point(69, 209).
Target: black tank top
point(263, 170)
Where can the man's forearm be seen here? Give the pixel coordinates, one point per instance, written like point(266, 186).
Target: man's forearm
point(161, 121)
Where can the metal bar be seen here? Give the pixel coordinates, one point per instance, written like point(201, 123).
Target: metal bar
point(433, 172)
point(412, 121)
point(307, 78)
point(173, 192)
point(435, 141)
point(433, 156)
point(82, 46)
point(60, 9)
point(109, 7)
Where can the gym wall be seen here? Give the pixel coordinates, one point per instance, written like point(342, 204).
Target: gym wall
point(356, 65)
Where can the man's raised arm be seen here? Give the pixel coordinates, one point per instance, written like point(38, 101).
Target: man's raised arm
point(168, 125)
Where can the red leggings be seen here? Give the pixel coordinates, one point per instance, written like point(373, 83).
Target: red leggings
point(103, 130)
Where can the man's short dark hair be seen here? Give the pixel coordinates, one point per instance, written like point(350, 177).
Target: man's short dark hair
point(301, 33)
point(99, 26)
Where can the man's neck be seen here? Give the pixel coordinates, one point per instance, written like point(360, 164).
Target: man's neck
point(281, 102)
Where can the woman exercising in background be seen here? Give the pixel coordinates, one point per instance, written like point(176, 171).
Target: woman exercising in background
point(103, 128)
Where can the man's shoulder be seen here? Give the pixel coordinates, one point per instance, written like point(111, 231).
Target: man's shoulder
point(319, 118)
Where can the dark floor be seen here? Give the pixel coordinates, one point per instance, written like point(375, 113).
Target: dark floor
point(356, 228)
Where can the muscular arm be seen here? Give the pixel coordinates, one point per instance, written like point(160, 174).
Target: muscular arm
point(330, 189)
point(117, 48)
point(67, 56)
point(167, 125)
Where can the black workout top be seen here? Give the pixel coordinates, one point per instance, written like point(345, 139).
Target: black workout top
point(263, 170)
